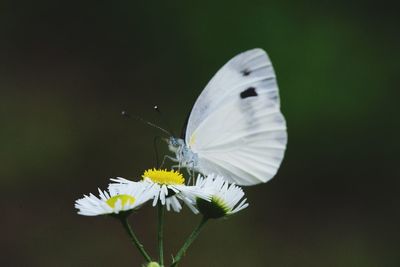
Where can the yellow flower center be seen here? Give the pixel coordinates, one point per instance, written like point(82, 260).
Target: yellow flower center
point(125, 199)
point(164, 177)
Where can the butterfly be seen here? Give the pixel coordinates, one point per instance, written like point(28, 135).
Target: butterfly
point(236, 128)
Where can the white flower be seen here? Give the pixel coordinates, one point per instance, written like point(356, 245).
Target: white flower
point(226, 199)
point(168, 187)
point(127, 198)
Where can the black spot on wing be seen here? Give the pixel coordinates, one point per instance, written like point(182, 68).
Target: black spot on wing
point(245, 72)
point(249, 92)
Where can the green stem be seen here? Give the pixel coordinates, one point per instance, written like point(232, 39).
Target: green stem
point(134, 239)
point(161, 212)
point(189, 241)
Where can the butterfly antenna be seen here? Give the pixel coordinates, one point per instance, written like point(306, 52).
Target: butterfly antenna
point(129, 116)
point(163, 119)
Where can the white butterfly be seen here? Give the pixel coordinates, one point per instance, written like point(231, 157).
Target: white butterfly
point(236, 128)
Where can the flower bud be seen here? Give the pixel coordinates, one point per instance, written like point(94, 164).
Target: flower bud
point(153, 264)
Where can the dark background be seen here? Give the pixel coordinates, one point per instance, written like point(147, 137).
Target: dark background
point(68, 68)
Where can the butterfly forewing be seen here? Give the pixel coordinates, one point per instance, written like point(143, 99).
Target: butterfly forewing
point(236, 127)
point(245, 71)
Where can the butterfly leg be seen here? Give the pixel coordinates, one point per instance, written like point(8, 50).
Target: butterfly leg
point(193, 173)
point(175, 167)
point(190, 175)
point(190, 170)
point(165, 159)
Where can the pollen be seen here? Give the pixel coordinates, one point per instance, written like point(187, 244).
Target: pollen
point(125, 199)
point(164, 177)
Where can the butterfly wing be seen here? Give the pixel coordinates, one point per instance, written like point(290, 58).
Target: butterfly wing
point(250, 68)
point(236, 127)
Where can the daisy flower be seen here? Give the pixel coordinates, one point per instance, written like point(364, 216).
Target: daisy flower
point(126, 199)
point(168, 187)
point(226, 199)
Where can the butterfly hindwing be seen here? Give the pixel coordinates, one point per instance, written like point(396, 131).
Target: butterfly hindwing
point(244, 141)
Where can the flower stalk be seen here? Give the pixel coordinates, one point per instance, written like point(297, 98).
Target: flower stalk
point(134, 239)
point(161, 214)
point(210, 195)
point(189, 241)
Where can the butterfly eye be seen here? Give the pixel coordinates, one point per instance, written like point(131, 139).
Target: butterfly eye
point(173, 142)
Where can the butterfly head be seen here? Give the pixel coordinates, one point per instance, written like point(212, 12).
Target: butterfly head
point(174, 144)
point(183, 154)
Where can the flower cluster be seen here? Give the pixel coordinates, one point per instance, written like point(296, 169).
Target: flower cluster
point(211, 196)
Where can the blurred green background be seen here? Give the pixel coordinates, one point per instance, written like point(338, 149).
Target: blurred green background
point(67, 69)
